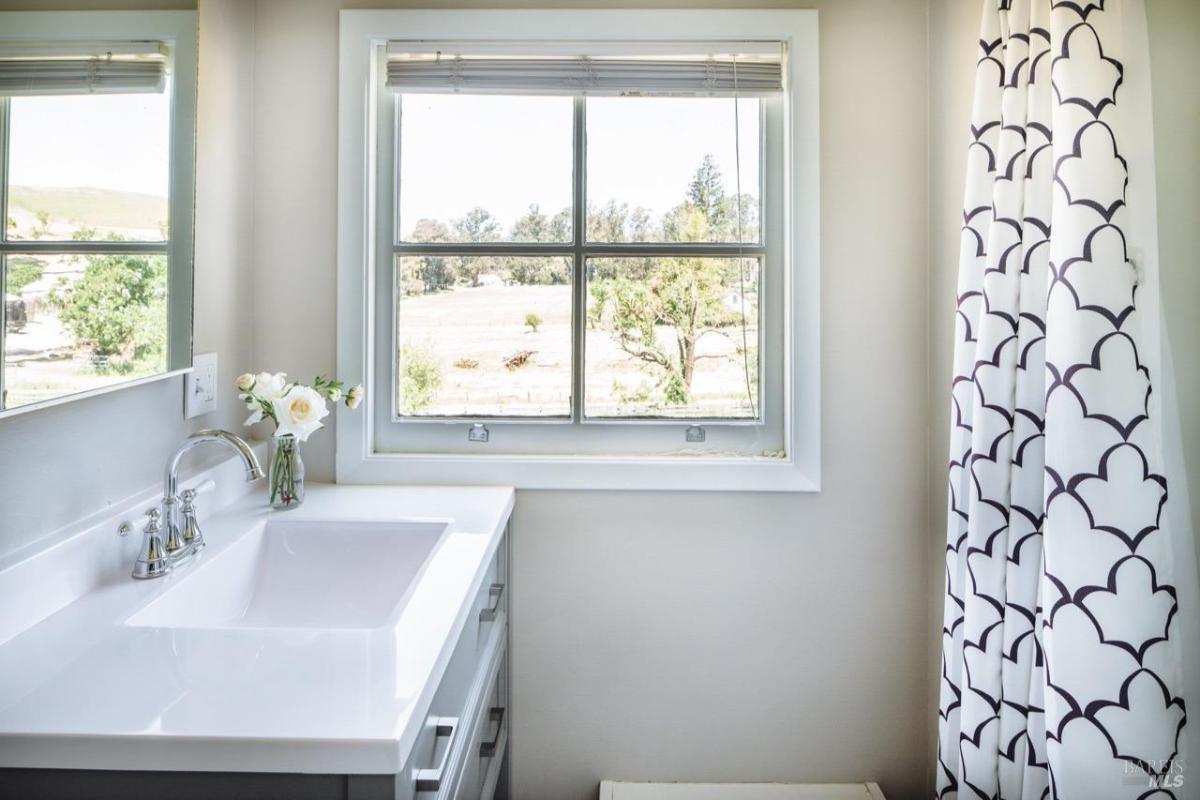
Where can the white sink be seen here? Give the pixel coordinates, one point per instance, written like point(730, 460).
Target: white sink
point(300, 574)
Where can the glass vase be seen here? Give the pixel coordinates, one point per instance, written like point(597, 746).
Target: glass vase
point(287, 473)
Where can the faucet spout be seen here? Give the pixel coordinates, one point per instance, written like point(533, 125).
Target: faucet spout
point(236, 443)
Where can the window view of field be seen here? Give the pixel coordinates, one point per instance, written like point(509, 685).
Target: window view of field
point(672, 335)
point(95, 169)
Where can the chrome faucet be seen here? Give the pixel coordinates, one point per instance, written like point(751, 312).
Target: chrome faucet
point(181, 538)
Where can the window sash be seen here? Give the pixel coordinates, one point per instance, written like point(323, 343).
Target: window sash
point(10, 247)
point(579, 249)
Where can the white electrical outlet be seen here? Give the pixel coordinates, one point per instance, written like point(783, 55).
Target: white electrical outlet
point(200, 386)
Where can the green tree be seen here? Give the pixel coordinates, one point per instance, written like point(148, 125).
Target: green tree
point(681, 294)
point(23, 271)
point(433, 272)
point(420, 378)
point(117, 308)
point(477, 225)
point(534, 226)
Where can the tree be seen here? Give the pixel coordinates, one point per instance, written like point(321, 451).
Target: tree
point(117, 308)
point(706, 193)
point(534, 226)
point(683, 294)
point(23, 271)
point(420, 378)
point(432, 271)
point(478, 225)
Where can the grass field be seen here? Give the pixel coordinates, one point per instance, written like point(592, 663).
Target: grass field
point(127, 213)
point(482, 326)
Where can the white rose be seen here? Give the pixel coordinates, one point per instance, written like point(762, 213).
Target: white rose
point(268, 386)
point(299, 412)
point(335, 394)
point(245, 382)
point(354, 396)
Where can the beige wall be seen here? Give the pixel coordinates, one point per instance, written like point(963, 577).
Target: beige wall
point(720, 636)
point(665, 635)
point(61, 464)
point(1175, 64)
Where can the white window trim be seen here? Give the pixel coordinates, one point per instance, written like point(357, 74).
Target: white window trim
point(358, 462)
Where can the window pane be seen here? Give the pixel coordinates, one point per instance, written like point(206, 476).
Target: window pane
point(89, 167)
point(485, 168)
point(74, 323)
point(664, 169)
point(484, 336)
point(672, 337)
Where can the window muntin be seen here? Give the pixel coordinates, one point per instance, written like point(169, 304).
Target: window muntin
point(705, 227)
point(85, 207)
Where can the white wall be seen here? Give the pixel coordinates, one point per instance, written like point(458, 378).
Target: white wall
point(712, 636)
point(63, 463)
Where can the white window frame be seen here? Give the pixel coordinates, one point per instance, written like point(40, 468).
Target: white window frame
point(360, 295)
point(176, 29)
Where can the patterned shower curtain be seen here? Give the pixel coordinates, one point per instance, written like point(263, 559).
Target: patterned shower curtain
point(1061, 670)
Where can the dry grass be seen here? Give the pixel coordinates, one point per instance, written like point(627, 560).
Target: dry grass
point(487, 325)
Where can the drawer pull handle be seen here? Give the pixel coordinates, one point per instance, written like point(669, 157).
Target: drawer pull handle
point(494, 594)
point(430, 780)
point(488, 749)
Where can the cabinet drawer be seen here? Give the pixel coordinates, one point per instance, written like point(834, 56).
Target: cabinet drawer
point(439, 766)
point(494, 735)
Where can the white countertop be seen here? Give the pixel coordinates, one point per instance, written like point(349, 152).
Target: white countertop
point(81, 689)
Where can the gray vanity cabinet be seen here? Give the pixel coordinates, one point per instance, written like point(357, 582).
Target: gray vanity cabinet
point(462, 747)
point(460, 753)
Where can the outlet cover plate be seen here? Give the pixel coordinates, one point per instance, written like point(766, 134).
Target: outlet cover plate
point(200, 386)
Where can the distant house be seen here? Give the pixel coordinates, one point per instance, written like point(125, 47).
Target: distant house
point(490, 279)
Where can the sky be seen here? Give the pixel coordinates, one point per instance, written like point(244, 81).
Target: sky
point(457, 151)
point(116, 141)
point(504, 153)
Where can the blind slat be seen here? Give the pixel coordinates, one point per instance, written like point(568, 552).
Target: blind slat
point(47, 68)
point(584, 75)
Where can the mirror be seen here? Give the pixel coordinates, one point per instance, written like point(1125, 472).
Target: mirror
point(97, 139)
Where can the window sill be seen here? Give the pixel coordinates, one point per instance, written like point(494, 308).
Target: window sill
point(630, 473)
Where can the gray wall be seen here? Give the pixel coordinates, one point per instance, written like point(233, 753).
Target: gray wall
point(63, 463)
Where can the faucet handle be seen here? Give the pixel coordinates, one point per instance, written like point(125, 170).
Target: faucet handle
point(152, 561)
point(190, 534)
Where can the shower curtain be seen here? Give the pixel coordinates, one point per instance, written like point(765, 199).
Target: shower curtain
point(1068, 650)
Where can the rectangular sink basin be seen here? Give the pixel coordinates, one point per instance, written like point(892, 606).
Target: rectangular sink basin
point(300, 574)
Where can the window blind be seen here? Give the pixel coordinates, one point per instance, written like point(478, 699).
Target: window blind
point(60, 68)
point(593, 68)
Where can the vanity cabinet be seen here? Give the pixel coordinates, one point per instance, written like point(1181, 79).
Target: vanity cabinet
point(460, 752)
point(462, 746)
